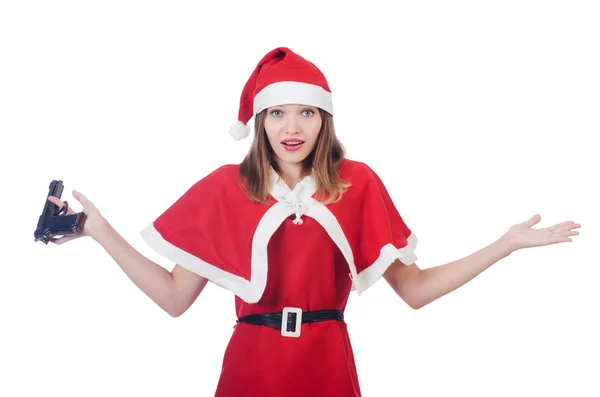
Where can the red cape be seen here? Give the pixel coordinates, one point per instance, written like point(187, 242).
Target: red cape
point(214, 230)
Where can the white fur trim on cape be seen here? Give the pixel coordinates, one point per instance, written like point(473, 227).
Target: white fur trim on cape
point(251, 291)
point(387, 256)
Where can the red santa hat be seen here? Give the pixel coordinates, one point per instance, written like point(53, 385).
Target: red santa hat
point(281, 77)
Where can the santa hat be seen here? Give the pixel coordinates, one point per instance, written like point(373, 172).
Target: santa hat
point(281, 77)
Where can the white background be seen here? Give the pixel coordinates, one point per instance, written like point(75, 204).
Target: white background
point(476, 116)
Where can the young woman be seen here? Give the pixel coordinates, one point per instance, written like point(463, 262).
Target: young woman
point(291, 231)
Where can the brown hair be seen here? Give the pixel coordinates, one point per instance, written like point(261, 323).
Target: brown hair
point(323, 161)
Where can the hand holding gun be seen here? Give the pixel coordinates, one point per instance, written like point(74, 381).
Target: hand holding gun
point(57, 219)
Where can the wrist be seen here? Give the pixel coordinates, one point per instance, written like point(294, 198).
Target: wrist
point(102, 231)
point(506, 245)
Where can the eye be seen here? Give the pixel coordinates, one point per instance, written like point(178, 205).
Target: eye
point(276, 113)
point(310, 112)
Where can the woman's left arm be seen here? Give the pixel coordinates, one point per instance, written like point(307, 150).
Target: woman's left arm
point(420, 287)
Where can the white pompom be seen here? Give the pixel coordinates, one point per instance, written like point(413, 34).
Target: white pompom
point(239, 131)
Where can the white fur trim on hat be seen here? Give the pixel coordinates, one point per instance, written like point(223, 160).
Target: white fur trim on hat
point(293, 92)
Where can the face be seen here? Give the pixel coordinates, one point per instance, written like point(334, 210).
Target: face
point(292, 131)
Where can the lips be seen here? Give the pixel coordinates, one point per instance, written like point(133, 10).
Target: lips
point(292, 141)
point(292, 144)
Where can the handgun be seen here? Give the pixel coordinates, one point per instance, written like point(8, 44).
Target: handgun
point(54, 221)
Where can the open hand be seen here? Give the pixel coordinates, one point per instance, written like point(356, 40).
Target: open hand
point(523, 236)
point(94, 221)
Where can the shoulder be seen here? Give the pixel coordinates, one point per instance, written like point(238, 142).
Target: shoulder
point(227, 172)
point(222, 174)
point(219, 178)
point(363, 179)
point(356, 171)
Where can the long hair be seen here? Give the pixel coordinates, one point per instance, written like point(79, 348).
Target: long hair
point(323, 162)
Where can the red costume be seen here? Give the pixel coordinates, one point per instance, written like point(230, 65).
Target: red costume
point(292, 253)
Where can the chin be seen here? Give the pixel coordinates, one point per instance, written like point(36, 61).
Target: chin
point(292, 158)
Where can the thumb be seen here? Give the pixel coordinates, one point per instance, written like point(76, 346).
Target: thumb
point(80, 197)
point(532, 221)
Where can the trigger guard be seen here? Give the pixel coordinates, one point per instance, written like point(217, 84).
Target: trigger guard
point(65, 208)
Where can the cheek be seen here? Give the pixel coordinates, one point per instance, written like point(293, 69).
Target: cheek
point(272, 127)
point(272, 138)
point(313, 130)
point(269, 131)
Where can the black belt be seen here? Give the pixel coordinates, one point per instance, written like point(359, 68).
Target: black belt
point(290, 317)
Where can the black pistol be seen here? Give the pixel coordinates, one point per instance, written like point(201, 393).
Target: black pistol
point(54, 221)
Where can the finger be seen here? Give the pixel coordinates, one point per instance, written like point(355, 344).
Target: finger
point(564, 226)
point(533, 220)
point(569, 233)
point(57, 240)
point(559, 239)
point(60, 204)
point(82, 199)
point(62, 240)
point(558, 226)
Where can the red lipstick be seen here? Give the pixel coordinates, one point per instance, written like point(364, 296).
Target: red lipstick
point(292, 144)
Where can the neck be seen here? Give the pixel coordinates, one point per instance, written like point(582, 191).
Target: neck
point(291, 173)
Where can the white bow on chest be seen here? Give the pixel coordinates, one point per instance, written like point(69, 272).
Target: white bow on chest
point(297, 199)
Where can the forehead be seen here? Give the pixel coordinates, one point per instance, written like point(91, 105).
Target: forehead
point(293, 106)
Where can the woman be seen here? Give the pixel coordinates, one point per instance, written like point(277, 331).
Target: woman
point(291, 231)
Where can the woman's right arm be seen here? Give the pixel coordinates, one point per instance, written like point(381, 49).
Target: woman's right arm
point(173, 291)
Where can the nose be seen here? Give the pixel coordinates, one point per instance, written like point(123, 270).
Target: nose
point(292, 125)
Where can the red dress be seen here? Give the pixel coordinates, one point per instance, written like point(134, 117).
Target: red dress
point(294, 252)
